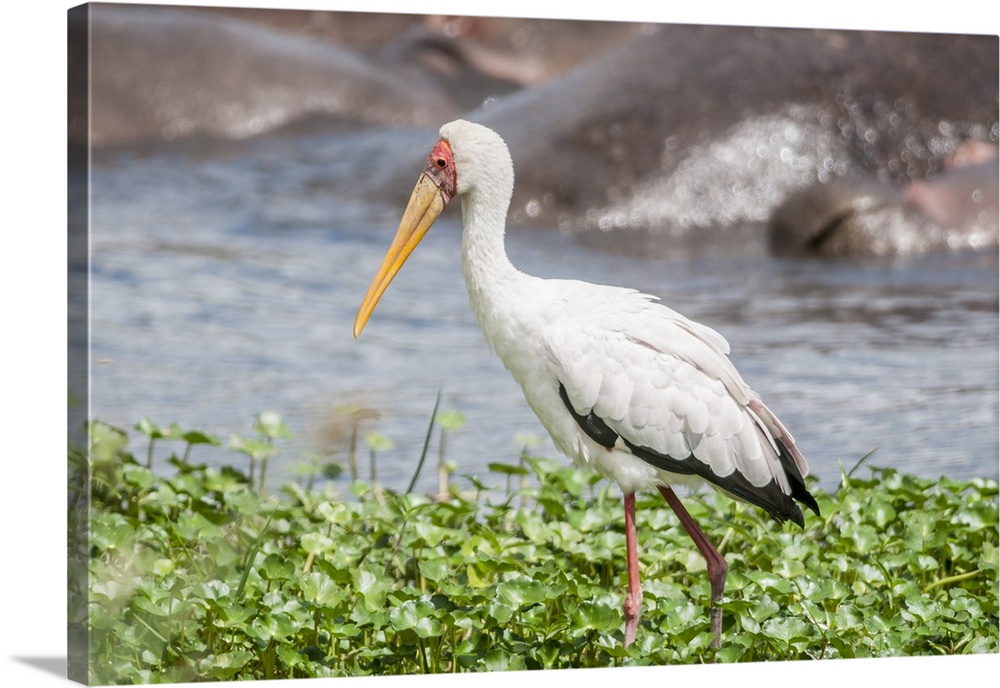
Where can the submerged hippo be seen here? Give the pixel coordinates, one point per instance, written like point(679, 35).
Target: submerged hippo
point(956, 210)
point(664, 127)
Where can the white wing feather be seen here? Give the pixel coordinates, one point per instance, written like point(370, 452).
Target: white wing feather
point(661, 381)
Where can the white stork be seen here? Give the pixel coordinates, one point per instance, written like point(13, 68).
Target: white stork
point(624, 385)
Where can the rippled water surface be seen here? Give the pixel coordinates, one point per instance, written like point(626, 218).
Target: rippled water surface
point(225, 282)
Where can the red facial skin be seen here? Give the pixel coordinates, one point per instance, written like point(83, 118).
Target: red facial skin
point(440, 168)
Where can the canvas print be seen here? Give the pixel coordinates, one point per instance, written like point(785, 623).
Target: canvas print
point(410, 344)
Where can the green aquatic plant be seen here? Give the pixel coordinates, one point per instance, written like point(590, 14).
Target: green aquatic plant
point(200, 575)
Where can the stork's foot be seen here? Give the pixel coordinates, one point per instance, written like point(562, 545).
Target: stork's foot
point(631, 608)
point(715, 616)
point(717, 568)
point(716, 563)
point(633, 598)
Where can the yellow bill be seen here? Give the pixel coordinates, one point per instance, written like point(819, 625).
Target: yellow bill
point(426, 203)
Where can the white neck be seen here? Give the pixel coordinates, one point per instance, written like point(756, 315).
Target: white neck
point(485, 183)
point(489, 275)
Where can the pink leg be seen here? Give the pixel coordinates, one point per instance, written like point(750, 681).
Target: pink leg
point(717, 566)
point(633, 600)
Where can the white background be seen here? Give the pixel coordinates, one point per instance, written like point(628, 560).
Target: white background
point(33, 326)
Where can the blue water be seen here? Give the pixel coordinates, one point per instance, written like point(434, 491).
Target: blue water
point(225, 280)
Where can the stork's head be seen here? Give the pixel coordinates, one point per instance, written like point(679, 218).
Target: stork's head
point(468, 159)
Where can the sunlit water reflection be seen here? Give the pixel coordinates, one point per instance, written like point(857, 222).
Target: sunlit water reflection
point(225, 283)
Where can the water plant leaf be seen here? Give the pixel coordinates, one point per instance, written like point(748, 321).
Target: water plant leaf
point(150, 429)
point(521, 592)
point(198, 575)
point(378, 442)
point(270, 424)
point(276, 568)
point(322, 591)
point(507, 469)
point(200, 437)
point(259, 450)
point(450, 420)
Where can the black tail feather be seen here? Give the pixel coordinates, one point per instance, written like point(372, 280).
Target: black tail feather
point(769, 497)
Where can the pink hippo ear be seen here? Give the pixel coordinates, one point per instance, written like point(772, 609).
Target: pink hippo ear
point(964, 194)
point(971, 152)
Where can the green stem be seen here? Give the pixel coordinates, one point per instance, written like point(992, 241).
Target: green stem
point(442, 471)
point(352, 458)
point(952, 579)
point(423, 654)
point(427, 442)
